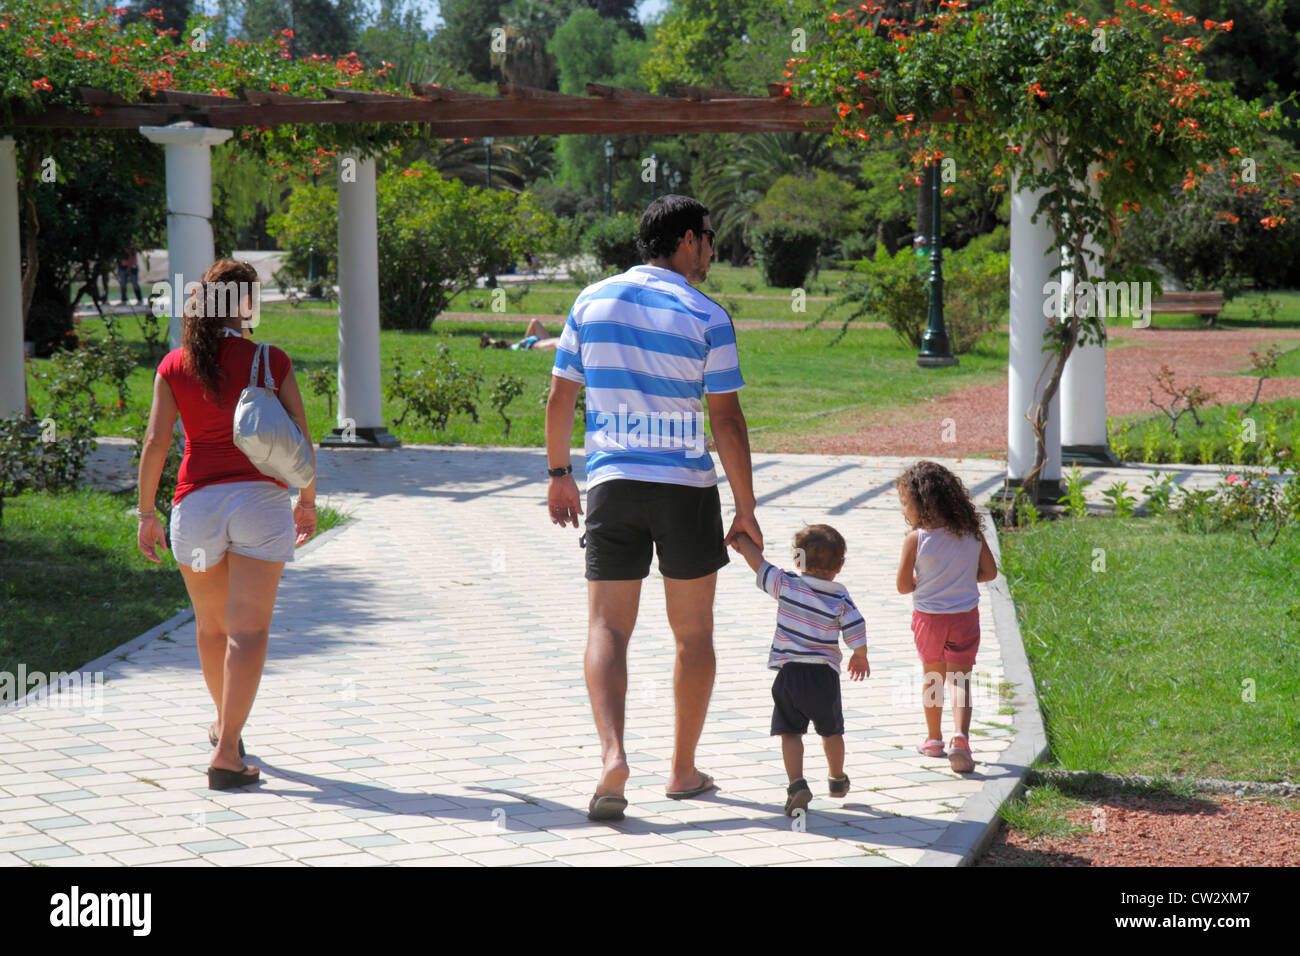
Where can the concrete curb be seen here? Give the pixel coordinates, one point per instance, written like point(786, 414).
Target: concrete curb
point(968, 835)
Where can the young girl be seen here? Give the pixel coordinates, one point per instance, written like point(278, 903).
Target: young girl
point(944, 557)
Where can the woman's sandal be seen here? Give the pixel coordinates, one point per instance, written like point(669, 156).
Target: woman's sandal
point(212, 739)
point(221, 779)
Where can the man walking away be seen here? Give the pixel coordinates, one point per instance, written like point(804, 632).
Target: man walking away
point(650, 349)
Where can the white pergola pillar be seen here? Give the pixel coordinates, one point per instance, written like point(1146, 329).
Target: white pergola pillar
point(360, 416)
point(13, 372)
point(189, 206)
point(1084, 439)
point(1034, 255)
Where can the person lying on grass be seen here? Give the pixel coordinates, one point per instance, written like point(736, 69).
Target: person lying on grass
point(535, 338)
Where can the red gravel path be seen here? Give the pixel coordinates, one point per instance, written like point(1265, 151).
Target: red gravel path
point(979, 413)
point(1138, 831)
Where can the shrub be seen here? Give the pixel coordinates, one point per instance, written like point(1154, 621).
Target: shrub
point(436, 391)
point(505, 391)
point(612, 240)
point(436, 237)
point(785, 253)
point(896, 290)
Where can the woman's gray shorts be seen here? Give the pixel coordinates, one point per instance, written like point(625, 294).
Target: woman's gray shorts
point(252, 518)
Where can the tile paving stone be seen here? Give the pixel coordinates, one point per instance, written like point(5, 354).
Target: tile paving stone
point(412, 718)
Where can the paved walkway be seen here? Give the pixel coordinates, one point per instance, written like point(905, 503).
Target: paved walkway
point(424, 703)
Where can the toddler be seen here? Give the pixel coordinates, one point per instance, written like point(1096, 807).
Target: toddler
point(944, 557)
point(813, 610)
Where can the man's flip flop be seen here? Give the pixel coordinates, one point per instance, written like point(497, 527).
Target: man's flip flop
point(708, 784)
point(212, 739)
point(606, 808)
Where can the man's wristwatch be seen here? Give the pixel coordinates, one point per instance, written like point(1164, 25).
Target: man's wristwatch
point(560, 472)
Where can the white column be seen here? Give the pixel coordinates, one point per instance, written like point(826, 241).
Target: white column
point(189, 205)
point(360, 418)
point(1033, 256)
point(13, 373)
point(1083, 381)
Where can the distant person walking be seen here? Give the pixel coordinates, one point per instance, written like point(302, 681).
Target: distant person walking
point(232, 527)
point(128, 270)
point(649, 348)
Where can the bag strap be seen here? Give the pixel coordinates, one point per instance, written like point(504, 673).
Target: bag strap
point(262, 350)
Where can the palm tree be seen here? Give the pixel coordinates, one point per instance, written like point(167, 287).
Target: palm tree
point(732, 182)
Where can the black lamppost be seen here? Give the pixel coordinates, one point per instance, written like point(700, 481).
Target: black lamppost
point(935, 351)
point(609, 177)
point(487, 145)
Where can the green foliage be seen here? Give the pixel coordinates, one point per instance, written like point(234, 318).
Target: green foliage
point(1159, 491)
point(436, 237)
point(1213, 237)
point(1269, 435)
point(435, 391)
point(612, 240)
point(821, 201)
point(785, 252)
point(896, 290)
point(322, 381)
point(1075, 504)
point(1120, 501)
point(1263, 505)
point(506, 389)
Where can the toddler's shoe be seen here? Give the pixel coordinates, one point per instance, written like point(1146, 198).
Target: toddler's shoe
point(959, 756)
point(839, 786)
point(798, 796)
point(931, 748)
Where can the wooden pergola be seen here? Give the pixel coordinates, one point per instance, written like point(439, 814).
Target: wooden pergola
point(516, 111)
point(189, 124)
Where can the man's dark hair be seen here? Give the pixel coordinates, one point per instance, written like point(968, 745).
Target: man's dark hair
point(665, 222)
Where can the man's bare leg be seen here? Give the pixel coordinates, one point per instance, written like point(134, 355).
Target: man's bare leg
point(611, 615)
point(690, 615)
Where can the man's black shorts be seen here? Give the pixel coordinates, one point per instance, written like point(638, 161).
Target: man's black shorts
point(627, 519)
point(805, 692)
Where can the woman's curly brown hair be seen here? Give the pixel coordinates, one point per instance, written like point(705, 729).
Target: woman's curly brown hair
point(941, 499)
point(201, 333)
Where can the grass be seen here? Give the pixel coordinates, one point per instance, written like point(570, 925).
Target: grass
point(792, 375)
point(1042, 812)
point(1145, 668)
point(75, 585)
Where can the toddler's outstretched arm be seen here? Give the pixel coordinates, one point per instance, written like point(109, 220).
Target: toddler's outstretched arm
point(748, 550)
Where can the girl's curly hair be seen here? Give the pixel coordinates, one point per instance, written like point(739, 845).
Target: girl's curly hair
point(941, 499)
point(201, 333)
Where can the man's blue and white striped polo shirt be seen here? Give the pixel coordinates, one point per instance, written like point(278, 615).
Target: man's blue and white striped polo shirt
point(647, 346)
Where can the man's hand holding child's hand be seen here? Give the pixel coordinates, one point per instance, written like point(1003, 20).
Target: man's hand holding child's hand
point(858, 666)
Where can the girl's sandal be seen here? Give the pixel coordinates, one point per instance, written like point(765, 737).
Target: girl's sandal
point(930, 748)
point(959, 755)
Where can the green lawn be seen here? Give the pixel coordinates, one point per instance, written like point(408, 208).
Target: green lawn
point(791, 374)
point(73, 584)
point(1180, 659)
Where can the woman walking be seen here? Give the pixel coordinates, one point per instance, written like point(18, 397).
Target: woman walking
point(232, 527)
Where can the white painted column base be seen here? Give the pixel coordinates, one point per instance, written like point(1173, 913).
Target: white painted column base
point(1084, 438)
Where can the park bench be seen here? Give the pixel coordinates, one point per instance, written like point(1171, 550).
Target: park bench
point(1208, 304)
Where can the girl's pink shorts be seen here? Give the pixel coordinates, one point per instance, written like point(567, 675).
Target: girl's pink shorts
point(947, 637)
